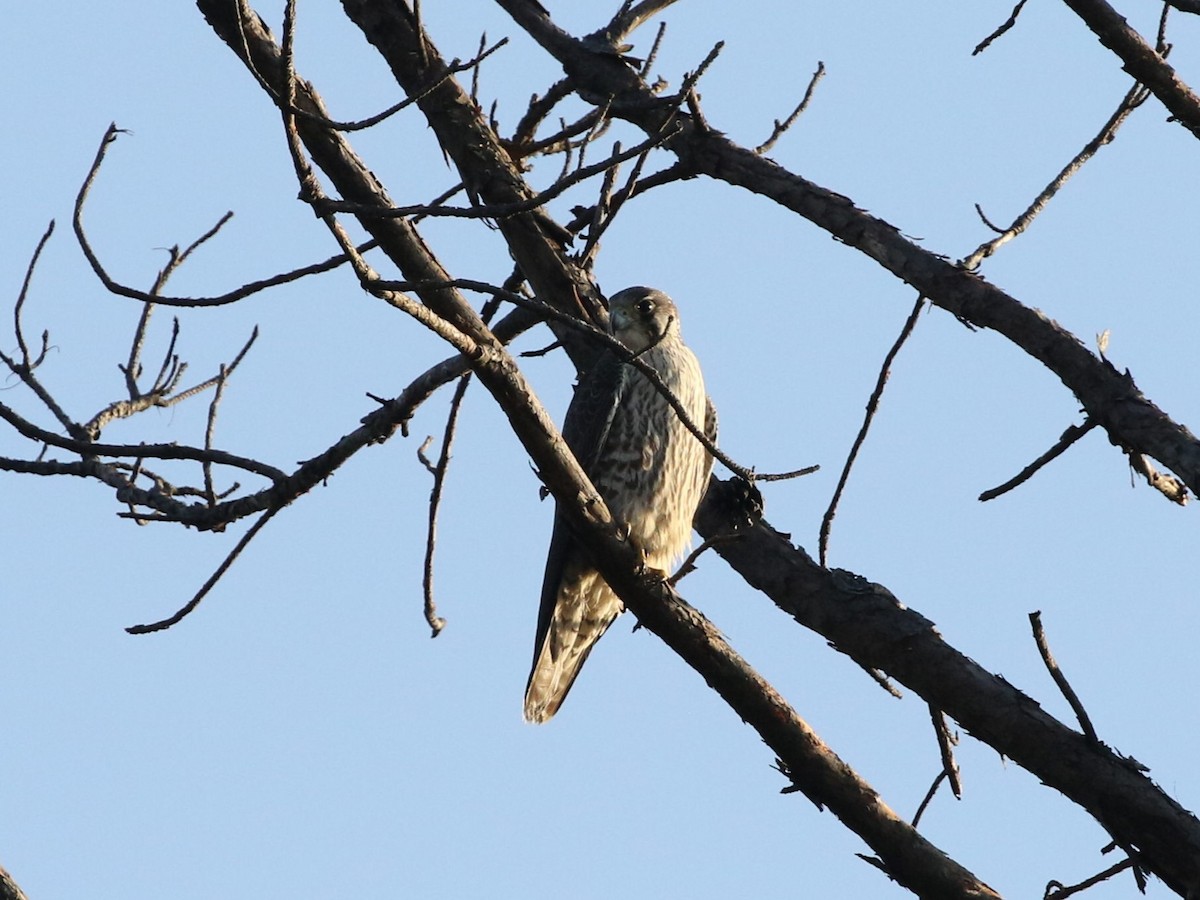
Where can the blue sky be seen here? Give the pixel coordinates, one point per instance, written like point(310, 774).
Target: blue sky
point(302, 729)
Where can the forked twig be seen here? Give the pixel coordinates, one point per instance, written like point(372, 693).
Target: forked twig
point(24, 368)
point(312, 194)
point(27, 361)
point(438, 470)
point(122, 290)
point(499, 210)
point(946, 742)
point(781, 127)
point(1056, 890)
point(1135, 97)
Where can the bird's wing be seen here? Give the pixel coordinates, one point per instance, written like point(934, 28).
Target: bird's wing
point(585, 429)
point(710, 432)
point(591, 411)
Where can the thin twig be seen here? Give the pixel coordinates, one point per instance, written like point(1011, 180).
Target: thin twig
point(26, 360)
point(440, 199)
point(475, 70)
point(191, 605)
point(1056, 890)
point(539, 108)
point(24, 369)
point(498, 210)
point(171, 368)
point(1160, 41)
point(436, 622)
point(872, 406)
point(652, 56)
point(230, 368)
point(1039, 637)
point(881, 679)
point(1008, 23)
point(209, 431)
point(929, 794)
point(605, 212)
point(312, 194)
point(422, 456)
point(946, 742)
point(583, 215)
point(781, 127)
point(691, 79)
point(162, 395)
point(541, 351)
point(133, 451)
point(617, 347)
point(177, 258)
point(585, 257)
point(455, 66)
point(246, 290)
point(1069, 437)
point(1134, 98)
point(689, 565)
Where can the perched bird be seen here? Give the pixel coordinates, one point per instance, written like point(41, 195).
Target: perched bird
point(650, 470)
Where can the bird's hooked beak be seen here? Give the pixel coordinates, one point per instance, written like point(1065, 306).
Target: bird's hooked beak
point(618, 320)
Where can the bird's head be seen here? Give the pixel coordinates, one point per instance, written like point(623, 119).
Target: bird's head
point(640, 317)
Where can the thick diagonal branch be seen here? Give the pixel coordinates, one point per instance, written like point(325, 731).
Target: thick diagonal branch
point(904, 853)
point(1109, 397)
point(866, 622)
point(1141, 60)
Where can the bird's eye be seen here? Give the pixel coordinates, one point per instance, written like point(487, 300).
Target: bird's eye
point(645, 307)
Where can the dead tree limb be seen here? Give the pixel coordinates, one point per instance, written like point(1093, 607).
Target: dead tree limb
point(1109, 396)
point(1141, 60)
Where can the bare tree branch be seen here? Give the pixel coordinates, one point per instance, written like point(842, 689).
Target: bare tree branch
point(1039, 637)
point(868, 623)
point(188, 608)
point(1056, 890)
point(885, 372)
point(1141, 60)
point(780, 127)
point(859, 618)
point(907, 856)
point(999, 32)
point(122, 290)
point(1069, 437)
point(438, 470)
point(1133, 99)
point(1108, 396)
point(946, 743)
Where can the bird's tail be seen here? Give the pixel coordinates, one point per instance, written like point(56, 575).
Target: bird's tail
point(561, 656)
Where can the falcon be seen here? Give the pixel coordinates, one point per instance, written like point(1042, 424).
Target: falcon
point(650, 470)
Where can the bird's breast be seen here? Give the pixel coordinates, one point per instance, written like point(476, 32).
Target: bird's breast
point(652, 470)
